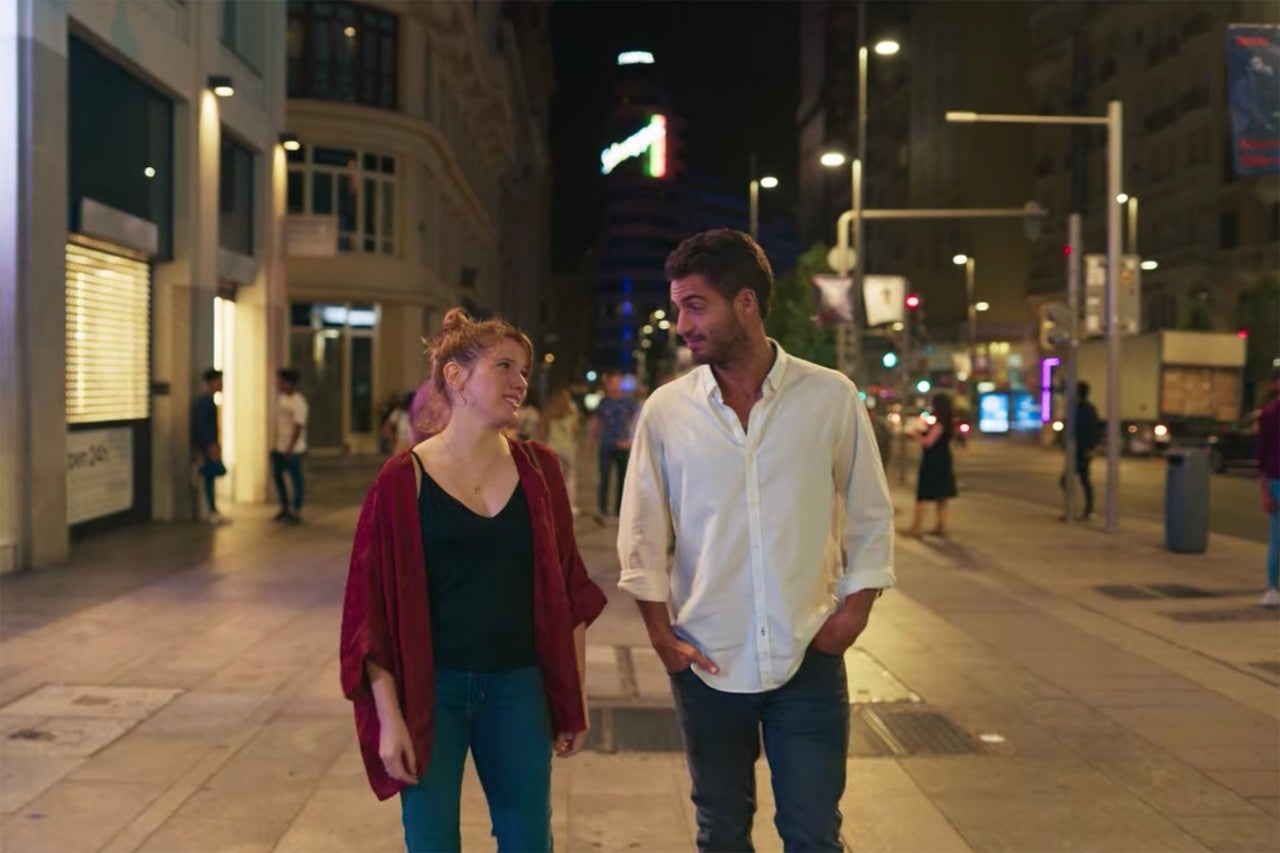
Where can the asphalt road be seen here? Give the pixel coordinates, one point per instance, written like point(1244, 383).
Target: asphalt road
point(1017, 469)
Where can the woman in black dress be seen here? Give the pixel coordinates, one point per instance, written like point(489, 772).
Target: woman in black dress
point(937, 480)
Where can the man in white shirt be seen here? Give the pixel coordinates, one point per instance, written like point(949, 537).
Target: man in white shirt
point(290, 446)
point(765, 468)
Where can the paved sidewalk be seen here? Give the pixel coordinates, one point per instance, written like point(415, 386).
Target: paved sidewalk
point(1029, 686)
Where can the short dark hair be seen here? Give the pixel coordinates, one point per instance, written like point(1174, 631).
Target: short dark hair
point(288, 374)
point(211, 374)
point(730, 261)
point(1082, 390)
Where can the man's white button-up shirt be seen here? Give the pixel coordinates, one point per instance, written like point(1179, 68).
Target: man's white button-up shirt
point(773, 525)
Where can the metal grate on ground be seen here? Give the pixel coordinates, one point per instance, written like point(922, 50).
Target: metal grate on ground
point(874, 731)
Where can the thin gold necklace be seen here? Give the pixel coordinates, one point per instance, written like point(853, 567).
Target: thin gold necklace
point(475, 490)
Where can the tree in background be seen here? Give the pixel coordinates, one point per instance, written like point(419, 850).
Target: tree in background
point(791, 313)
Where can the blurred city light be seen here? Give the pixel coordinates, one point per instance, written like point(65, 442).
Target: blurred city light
point(659, 314)
point(635, 57)
point(664, 324)
point(890, 359)
point(959, 260)
point(887, 47)
point(150, 171)
point(923, 386)
point(768, 182)
point(832, 159)
point(1122, 198)
point(982, 306)
point(1149, 265)
point(592, 376)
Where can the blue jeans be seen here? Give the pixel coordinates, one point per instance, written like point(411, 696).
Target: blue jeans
point(501, 717)
point(291, 464)
point(805, 726)
point(1273, 540)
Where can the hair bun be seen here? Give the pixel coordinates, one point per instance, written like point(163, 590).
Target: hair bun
point(455, 319)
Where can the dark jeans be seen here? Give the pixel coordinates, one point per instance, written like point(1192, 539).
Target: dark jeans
point(805, 727)
point(611, 459)
point(1086, 485)
point(292, 465)
point(210, 471)
point(501, 717)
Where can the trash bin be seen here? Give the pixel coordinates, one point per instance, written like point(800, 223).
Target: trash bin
point(1186, 501)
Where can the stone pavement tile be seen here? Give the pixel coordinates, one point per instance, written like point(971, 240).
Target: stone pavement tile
point(204, 713)
point(1058, 805)
point(1259, 832)
point(75, 816)
point(274, 773)
point(143, 758)
point(93, 700)
point(23, 779)
point(616, 820)
point(1157, 777)
point(207, 834)
point(339, 819)
point(885, 810)
point(1249, 783)
point(1270, 805)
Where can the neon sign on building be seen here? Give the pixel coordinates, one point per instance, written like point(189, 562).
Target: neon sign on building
point(650, 139)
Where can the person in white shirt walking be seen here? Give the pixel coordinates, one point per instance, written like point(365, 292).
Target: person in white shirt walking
point(765, 468)
point(291, 445)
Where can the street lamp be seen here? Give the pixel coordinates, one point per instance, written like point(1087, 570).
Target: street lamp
point(768, 182)
point(834, 159)
point(970, 269)
point(1113, 121)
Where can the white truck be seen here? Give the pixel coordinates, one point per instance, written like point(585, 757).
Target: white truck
point(1173, 385)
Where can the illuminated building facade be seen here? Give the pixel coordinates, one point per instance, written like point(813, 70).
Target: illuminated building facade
point(644, 215)
point(141, 248)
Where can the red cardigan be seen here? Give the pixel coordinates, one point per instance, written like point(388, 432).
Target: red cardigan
point(385, 616)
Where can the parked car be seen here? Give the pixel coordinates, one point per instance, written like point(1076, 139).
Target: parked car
point(1235, 446)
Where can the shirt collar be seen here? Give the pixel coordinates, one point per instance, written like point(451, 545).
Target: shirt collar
point(772, 381)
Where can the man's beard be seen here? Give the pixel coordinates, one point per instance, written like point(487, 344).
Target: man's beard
point(724, 347)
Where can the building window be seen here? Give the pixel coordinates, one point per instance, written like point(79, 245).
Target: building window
point(342, 52)
point(356, 187)
point(119, 143)
point(235, 197)
point(243, 30)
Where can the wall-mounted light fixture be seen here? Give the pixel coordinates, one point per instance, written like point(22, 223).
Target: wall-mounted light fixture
point(221, 85)
point(289, 142)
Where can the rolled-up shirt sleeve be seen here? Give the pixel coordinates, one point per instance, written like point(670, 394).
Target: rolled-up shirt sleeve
point(867, 534)
point(644, 527)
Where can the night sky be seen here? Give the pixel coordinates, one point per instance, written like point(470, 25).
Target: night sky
point(732, 69)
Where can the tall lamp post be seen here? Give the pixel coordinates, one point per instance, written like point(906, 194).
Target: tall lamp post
point(831, 159)
point(970, 270)
point(1113, 122)
point(768, 182)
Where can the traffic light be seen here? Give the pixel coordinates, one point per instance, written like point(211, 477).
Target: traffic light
point(889, 359)
point(1055, 326)
point(913, 301)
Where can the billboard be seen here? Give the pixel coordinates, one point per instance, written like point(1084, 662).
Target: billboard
point(1253, 97)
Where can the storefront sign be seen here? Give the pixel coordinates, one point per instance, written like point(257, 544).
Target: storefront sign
point(99, 473)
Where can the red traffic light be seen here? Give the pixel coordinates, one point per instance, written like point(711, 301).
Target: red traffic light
point(1243, 333)
point(913, 301)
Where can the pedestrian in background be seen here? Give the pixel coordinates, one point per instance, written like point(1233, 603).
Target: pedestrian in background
point(1088, 432)
point(291, 445)
point(1269, 481)
point(936, 480)
point(527, 419)
point(766, 467)
point(559, 431)
point(611, 429)
point(397, 429)
point(484, 652)
point(205, 436)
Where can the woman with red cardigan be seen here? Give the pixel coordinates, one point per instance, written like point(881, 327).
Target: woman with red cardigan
point(467, 602)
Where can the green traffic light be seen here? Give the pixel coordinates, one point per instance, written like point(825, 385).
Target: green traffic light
point(890, 359)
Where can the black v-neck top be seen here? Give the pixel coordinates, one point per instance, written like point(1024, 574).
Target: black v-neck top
point(479, 580)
